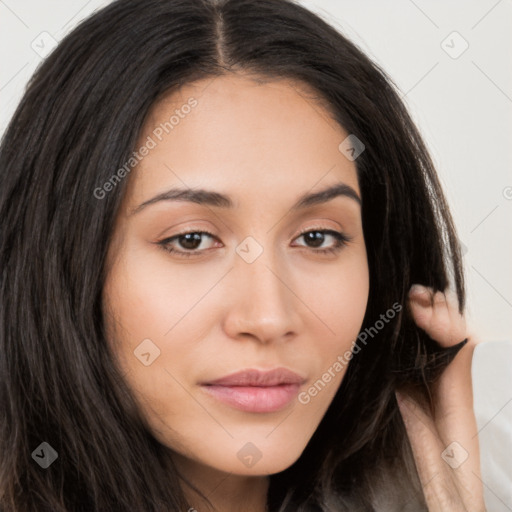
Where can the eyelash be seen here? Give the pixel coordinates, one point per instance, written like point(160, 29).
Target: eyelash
point(341, 241)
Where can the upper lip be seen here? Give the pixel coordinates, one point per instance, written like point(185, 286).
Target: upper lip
point(254, 377)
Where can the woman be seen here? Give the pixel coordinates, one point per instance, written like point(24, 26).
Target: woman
point(214, 214)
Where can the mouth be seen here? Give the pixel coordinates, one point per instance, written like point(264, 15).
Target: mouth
point(256, 391)
point(254, 398)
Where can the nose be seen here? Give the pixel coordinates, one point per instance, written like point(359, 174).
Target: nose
point(263, 303)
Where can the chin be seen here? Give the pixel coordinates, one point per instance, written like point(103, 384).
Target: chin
point(257, 458)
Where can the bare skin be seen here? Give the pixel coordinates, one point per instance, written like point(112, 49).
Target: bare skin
point(451, 483)
point(265, 146)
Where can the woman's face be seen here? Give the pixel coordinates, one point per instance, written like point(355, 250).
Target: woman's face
point(250, 293)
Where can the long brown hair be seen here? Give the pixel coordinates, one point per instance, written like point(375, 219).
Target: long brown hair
point(78, 122)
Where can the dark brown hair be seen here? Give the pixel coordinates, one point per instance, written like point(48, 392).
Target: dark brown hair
point(77, 123)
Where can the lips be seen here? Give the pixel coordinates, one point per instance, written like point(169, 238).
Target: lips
point(259, 378)
point(256, 391)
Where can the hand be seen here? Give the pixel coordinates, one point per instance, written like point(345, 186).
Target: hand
point(444, 441)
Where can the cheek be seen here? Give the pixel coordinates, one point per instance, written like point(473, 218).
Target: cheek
point(149, 297)
point(344, 308)
point(146, 315)
point(340, 298)
point(345, 300)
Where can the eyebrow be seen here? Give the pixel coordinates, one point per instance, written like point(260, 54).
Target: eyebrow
point(216, 199)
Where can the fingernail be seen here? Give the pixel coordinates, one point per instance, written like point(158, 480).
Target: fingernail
point(418, 289)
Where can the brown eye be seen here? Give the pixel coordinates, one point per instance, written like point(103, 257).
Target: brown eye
point(186, 244)
point(190, 241)
point(315, 238)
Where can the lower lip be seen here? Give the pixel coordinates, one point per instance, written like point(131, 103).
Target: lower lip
point(253, 398)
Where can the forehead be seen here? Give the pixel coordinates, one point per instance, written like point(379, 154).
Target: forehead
point(249, 134)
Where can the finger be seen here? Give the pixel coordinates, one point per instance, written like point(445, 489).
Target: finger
point(437, 314)
point(456, 423)
point(453, 415)
point(440, 490)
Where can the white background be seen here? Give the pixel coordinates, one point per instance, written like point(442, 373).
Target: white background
point(463, 107)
